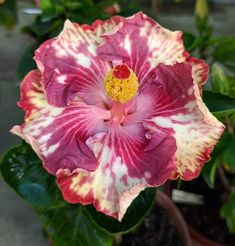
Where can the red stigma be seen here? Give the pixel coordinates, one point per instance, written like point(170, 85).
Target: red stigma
point(121, 72)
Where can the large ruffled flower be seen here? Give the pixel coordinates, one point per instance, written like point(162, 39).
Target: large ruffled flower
point(115, 107)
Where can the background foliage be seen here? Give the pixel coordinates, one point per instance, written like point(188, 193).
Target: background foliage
point(23, 171)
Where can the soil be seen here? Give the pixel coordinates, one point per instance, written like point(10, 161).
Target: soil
point(157, 229)
point(206, 218)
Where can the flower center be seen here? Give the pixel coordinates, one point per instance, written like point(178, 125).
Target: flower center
point(121, 83)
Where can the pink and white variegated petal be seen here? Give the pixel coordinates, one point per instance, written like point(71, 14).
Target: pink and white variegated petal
point(70, 67)
point(179, 110)
point(128, 163)
point(200, 71)
point(32, 98)
point(142, 43)
point(100, 27)
point(58, 134)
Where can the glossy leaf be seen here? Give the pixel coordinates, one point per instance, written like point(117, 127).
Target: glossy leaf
point(209, 170)
point(27, 63)
point(23, 171)
point(66, 224)
point(40, 28)
point(71, 4)
point(48, 8)
point(224, 52)
point(134, 215)
point(221, 83)
point(233, 181)
point(47, 4)
point(228, 213)
point(232, 120)
point(218, 103)
point(71, 226)
point(190, 41)
point(229, 155)
point(132, 8)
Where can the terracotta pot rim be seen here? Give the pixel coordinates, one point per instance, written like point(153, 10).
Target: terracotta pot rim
point(174, 213)
point(195, 235)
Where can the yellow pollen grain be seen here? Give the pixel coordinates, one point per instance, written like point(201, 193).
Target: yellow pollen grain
point(121, 90)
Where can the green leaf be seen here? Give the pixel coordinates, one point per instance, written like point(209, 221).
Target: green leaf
point(229, 156)
point(134, 215)
point(228, 213)
point(8, 13)
point(232, 119)
point(40, 28)
point(23, 171)
point(233, 181)
point(27, 63)
point(72, 226)
point(221, 83)
point(48, 9)
point(71, 4)
point(218, 103)
point(47, 4)
point(190, 41)
point(224, 52)
point(201, 24)
point(209, 169)
point(132, 8)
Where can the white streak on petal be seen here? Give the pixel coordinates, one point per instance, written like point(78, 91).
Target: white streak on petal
point(127, 44)
point(118, 167)
point(92, 49)
point(127, 198)
point(190, 91)
point(163, 121)
point(44, 138)
point(190, 105)
point(51, 149)
point(110, 180)
point(60, 53)
point(147, 175)
point(144, 28)
point(61, 79)
point(83, 60)
point(164, 47)
point(193, 135)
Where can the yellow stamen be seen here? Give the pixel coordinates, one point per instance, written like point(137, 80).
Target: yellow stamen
point(123, 87)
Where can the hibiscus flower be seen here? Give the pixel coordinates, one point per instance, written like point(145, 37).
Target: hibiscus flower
point(114, 108)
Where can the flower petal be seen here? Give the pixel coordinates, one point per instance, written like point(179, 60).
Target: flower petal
point(200, 71)
point(128, 162)
point(58, 134)
point(179, 110)
point(70, 67)
point(142, 43)
point(100, 27)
